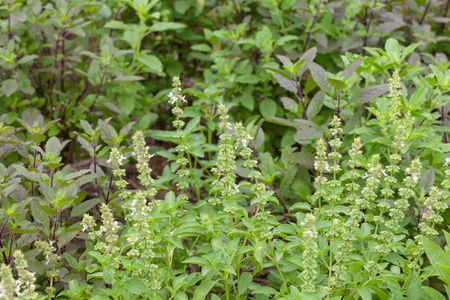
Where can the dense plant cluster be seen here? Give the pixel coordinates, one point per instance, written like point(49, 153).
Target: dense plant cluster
point(202, 149)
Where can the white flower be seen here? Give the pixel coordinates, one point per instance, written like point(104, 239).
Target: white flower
point(85, 227)
point(51, 243)
point(108, 161)
point(2, 291)
point(308, 233)
point(19, 283)
point(415, 178)
point(133, 211)
point(365, 176)
point(447, 161)
point(184, 99)
point(384, 172)
point(102, 229)
point(47, 258)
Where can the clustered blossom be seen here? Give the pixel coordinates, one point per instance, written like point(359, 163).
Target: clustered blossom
point(226, 165)
point(51, 259)
point(372, 177)
point(175, 95)
point(320, 165)
point(310, 254)
point(140, 236)
point(7, 284)
point(345, 247)
point(180, 137)
point(108, 229)
point(143, 158)
point(116, 158)
point(26, 280)
point(48, 250)
point(434, 205)
point(395, 92)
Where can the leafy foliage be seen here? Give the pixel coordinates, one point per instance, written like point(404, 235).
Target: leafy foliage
point(334, 186)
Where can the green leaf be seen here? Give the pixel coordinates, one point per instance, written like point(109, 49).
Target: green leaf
point(309, 296)
point(408, 50)
point(71, 260)
point(84, 207)
point(108, 275)
point(393, 49)
point(394, 287)
point(315, 105)
point(427, 179)
point(434, 294)
point(203, 289)
point(418, 97)
point(351, 68)
point(339, 84)
point(244, 282)
point(414, 288)
point(27, 58)
point(49, 210)
point(304, 159)
point(369, 93)
point(136, 286)
point(9, 86)
point(278, 71)
point(268, 107)
point(152, 64)
point(286, 83)
point(436, 255)
point(320, 77)
point(163, 26)
point(289, 104)
point(365, 293)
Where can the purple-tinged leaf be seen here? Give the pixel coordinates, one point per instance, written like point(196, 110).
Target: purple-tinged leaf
point(369, 93)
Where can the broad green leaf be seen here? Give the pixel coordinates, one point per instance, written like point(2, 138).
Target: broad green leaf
point(27, 58)
point(315, 105)
point(418, 97)
point(268, 107)
point(434, 294)
point(84, 207)
point(393, 49)
point(136, 286)
point(289, 104)
point(9, 86)
point(338, 84)
point(152, 64)
point(408, 50)
point(436, 255)
point(414, 288)
point(309, 296)
point(304, 159)
point(364, 292)
point(203, 289)
point(108, 275)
